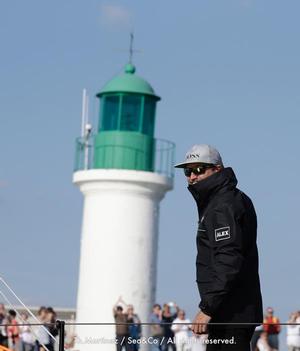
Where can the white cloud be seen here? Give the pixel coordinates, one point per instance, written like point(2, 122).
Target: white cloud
point(113, 15)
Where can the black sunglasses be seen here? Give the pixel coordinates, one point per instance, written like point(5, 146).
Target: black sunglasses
point(197, 170)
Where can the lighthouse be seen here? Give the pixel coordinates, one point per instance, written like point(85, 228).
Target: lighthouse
point(123, 172)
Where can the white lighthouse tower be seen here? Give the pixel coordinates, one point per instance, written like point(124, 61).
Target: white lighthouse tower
point(123, 173)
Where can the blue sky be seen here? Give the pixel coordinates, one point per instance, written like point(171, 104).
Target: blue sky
point(228, 74)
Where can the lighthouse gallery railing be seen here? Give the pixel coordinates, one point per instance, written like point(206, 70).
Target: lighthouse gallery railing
point(163, 163)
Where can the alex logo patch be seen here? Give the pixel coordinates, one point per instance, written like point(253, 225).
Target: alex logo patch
point(222, 233)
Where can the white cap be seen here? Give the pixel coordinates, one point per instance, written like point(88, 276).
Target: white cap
point(201, 153)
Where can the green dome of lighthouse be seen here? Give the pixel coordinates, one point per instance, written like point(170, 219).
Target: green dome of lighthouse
point(128, 82)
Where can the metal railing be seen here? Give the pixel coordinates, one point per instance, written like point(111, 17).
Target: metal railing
point(99, 337)
point(163, 156)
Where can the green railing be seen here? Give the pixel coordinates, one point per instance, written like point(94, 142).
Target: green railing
point(163, 156)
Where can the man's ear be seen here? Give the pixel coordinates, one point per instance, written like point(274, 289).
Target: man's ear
point(218, 168)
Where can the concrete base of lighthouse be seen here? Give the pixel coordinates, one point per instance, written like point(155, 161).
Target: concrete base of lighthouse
point(118, 249)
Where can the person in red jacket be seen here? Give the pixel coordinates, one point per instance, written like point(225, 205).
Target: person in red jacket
point(13, 330)
point(272, 328)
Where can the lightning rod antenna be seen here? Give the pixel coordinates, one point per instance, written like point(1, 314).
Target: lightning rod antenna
point(84, 96)
point(131, 47)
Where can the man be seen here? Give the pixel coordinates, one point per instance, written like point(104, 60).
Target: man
point(157, 330)
point(42, 342)
point(227, 258)
point(167, 318)
point(181, 329)
point(122, 328)
point(52, 328)
point(272, 328)
point(135, 330)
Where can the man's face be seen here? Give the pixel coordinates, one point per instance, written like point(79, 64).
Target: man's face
point(119, 311)
point(49, 316)
point(156, 310)
point(207, 171)
point(130, 309)
point(181, 315)
point(43, 315)
point(166, 308)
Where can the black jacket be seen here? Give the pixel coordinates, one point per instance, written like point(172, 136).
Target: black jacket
point(227, 258)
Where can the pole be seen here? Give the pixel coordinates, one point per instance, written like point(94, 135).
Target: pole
point(83, 113)
point(61, 332)
point(86, 133)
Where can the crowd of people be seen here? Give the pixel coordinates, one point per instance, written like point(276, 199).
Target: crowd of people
point(170, 330)
point(266, 336)
point(18, 337)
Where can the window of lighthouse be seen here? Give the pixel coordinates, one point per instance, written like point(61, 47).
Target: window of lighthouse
point(131, 111)
point(149, 114)
point(110, 113)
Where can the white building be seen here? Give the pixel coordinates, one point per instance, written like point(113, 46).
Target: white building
point(123, 173)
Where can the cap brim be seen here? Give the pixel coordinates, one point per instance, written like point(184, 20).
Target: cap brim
point(183, 164)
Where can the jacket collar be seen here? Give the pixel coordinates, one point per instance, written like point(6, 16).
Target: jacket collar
point(208, 187)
